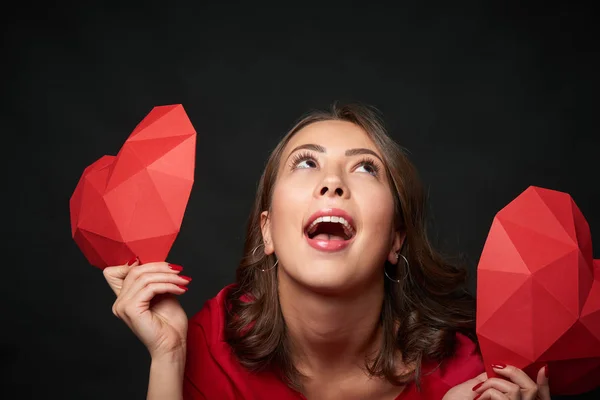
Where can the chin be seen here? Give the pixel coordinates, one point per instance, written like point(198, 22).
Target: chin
point(326, 280)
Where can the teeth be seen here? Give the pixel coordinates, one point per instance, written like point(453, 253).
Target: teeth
point(340, 220)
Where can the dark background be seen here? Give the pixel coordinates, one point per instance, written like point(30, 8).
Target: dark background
point(488, 97)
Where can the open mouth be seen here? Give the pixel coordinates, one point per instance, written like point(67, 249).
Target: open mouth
point(330, 228)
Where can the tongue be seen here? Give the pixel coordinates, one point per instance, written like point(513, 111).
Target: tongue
point(325, 236)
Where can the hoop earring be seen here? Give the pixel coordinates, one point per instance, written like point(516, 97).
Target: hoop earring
point(264, 269)
point(398, 255)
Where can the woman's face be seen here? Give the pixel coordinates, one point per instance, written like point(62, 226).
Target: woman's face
point(331, 218)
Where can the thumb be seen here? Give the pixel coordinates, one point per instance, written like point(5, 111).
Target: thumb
point(480, 378)
point(543, 384)
point(115, 275)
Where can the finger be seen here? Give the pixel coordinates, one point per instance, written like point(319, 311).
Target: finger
point(144, 296)
point(481, 377)
point(511, 389)
point(140, 270)
point(140, 302)
point(115, 275)
point(477, 382)
point(543, 383)
point(152, 277)
point(493, 394)
point(120, 271)
point(516, 375)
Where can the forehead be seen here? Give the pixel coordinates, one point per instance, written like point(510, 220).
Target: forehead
point(333, 135)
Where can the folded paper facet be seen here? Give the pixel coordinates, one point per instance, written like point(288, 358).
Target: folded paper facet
point(133, 204)
point(538, 292)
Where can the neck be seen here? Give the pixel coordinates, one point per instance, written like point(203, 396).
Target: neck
point(330, 334)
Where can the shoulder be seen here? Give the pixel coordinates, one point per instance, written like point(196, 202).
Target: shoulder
point(205, 330)
point(466, 363)
point(212, 369)
point(438, 378)
point(210, 320)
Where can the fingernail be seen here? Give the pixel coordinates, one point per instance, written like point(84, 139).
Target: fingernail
point(187, 278)
point(477, 386)
point(132, 261)
point(499, 366)
point(546, 370)
point(478, 396)
point(176, 267)
point(183, 287)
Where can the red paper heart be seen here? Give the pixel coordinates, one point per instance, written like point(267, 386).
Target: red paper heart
point(538, 292)
point(133, 204)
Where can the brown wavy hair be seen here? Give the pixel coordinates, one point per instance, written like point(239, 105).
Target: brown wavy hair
point(420, 315)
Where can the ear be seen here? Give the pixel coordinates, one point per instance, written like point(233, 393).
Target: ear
point(265, 228)
point(397, 242)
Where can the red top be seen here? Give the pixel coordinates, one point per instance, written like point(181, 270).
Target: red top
point(213, 372)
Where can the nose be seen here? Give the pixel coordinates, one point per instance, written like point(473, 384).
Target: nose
point(332, 186)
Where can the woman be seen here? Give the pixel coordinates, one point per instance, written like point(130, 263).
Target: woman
point(339, 294)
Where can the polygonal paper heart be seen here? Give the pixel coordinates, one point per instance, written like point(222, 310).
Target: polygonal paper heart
point(133, 204)
point(538, 292)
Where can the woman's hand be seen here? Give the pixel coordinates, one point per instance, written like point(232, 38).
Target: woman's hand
point(146, 303)
point(516, 386)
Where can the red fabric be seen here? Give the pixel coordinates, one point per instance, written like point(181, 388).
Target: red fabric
point(213, 372)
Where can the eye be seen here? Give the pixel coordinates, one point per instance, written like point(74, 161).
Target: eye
point(306, 164)
point(303, 161)
point(368, 166)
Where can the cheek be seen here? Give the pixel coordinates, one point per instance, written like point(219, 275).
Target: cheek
point(376, 209)
point(289, 204)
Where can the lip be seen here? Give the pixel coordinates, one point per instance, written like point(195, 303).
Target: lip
point(330, 245)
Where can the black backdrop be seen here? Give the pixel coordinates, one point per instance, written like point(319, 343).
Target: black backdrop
point(488, 98)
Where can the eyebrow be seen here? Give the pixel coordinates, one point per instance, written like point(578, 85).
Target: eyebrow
point(348, 153)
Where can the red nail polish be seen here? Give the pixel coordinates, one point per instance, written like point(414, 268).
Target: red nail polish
point(132, 261)
point(478, 396)
point(187, 278)
point(499, 366)
point(546, 370)
point(477, 386)
point(176, 267)
point(183, 287)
